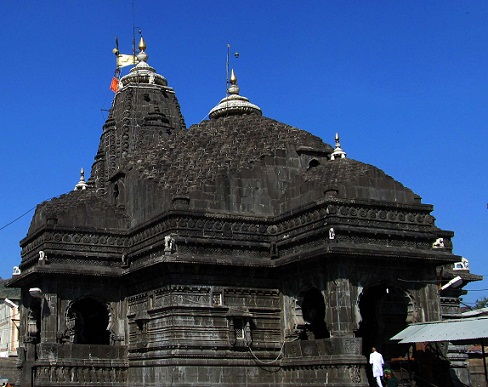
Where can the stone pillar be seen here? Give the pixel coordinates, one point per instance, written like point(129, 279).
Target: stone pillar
point(339, 313)
point(49, 318)
point(458, 359)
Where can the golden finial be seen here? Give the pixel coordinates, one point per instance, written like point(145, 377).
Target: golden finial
point(142, 44)
point(233, 88)
point(233, 78)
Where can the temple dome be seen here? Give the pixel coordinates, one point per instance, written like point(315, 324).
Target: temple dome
point(246, 164)
point(142, 72)
point(234, 104)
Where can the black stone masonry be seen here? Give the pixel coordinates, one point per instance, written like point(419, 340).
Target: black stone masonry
point(234, 252)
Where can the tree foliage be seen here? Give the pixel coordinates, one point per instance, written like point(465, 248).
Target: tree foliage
point(481, 303)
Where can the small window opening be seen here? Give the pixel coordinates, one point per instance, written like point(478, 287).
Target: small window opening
point(239, 328)
point(141, 325)
point(242, 331)
point(217, 298)
point(89, 319)
point(116, 193)
point(331, 193)
point(313, 163)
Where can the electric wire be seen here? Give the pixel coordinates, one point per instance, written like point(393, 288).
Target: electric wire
point(418, 281)
point(271, 361)
point(16, 219)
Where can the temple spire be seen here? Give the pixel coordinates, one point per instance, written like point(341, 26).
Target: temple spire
point(81, 185)
point(142, 56)
point(338, 152)
point(233, 88)
point(142, 72)
point(234, 104)
point(142, 44)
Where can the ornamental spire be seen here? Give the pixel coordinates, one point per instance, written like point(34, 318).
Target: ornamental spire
point(234, 104)
point(142, 73)
point(142, 44)
point(338, 152)
point(233, 88)
point(142, 56)
point(81, 185)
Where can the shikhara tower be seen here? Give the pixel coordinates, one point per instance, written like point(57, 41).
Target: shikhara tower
point(239, 251)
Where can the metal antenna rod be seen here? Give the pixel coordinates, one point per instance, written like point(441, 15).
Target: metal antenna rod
point(133, 30)
point(227, 70)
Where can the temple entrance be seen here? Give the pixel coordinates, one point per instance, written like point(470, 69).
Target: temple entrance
point(88, 321)
point(384, 313)
point(313, 311)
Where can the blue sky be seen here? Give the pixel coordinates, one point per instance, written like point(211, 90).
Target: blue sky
point(404, 82)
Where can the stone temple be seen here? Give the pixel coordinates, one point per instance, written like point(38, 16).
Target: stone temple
point(239, 251)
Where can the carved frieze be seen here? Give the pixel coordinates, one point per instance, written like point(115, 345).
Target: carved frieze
point(260, 233)
point(76, 374)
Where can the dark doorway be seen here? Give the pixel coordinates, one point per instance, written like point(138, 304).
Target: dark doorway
point(90, 320)
point(384, 312)
point(313, 310)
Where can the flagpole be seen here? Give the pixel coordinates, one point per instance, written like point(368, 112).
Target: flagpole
point(227, 69)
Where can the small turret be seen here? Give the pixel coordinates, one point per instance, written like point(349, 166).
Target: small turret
point(338, 152)
point(142, 73)
point(81, 185)
point(234, 104)
point(144, 112)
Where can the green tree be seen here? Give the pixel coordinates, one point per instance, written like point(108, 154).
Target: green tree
point(481, 303)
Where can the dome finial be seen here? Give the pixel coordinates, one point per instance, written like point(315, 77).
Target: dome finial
point(142, 56)
point(233, 78)
point(142, 44)
point(81, 185)
point(233, 103)
point(142, 72)
point(233, 88)
point(338, 152)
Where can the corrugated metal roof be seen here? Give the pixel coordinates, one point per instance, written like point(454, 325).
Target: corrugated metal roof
point(408, 331)
point(475, 312)
point(448, 330)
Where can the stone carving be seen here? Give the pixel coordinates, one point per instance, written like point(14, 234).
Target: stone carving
point(438, 244)
point(42, 258)
point(32, 329)
point(355, 374)
point(169, 244)
point(16, 271)
point(85, 374)
point(462, 265)
point(331, 233)
point(351, 345)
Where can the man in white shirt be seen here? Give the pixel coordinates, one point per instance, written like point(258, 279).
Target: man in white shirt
point(376, 361)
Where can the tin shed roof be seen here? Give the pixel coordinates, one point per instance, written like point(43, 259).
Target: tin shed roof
point(448, 330)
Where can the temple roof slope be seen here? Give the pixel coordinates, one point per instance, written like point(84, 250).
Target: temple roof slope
point(243, 164)
point(253, 165)
point(237, 162)
point(80, 209)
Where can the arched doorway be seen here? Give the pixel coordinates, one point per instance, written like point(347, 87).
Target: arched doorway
point(313, 312)
point(384, 312)
point(87, 320)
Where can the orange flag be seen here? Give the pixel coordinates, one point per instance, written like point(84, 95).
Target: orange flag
point(114, 85)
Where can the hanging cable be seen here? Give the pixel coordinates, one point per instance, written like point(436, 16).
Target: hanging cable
point(16, 219)
point(274, 360)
